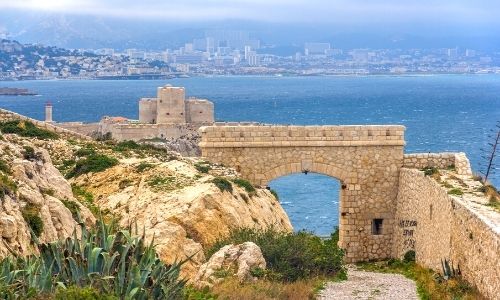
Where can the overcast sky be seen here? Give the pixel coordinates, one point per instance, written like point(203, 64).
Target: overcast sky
point(312, 11)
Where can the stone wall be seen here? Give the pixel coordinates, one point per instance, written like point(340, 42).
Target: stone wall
point(366, 159)
point(439, 226)
point(89, 129)
point(442, 160)
point(135, 132)
point(199, 111)
point(6, 115)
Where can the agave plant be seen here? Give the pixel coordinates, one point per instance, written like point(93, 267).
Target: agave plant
point(448, 270)
point(110, 260)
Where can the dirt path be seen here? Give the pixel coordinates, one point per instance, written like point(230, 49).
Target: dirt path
point(370, 285)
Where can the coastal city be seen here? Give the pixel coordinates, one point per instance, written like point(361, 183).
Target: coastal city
point(225, 52)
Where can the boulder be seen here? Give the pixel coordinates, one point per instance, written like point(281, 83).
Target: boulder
point(233, 260)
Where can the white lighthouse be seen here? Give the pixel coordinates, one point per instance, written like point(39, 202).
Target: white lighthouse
point(48, 112)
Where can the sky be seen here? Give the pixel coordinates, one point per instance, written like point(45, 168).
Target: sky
point(306, 11)
point(345, 23)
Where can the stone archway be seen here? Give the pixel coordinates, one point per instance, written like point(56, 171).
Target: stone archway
point(366, 159)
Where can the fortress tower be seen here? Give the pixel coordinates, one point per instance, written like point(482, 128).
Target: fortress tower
point(48, 112)
point(170, 106)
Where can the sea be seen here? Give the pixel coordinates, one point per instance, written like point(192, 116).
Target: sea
point(440, 112)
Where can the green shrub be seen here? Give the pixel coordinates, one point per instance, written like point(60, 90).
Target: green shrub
point(223, 184)
point(104, 258)
point(202, 167)
point(7, 186)
point(290, 256)
point(429, 171)
point(26, 129)
point(126, 145)
point(275, 194)
point(456, 191)
point(245, 184)
point(4, 167)
point(29, 154)
point(79, 293)
point(31, 215)
point(409, 256)
point(93, 163)
point(73, 208)
point(85, 151)
point(86, 198)
point(143, 166)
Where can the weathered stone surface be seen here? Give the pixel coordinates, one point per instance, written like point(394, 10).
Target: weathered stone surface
point(187, 215)
point(40, 184)
point(237, 260)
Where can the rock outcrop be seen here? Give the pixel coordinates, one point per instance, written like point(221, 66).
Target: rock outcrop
point(180, 207)
point(33, 183)
point(238, 260)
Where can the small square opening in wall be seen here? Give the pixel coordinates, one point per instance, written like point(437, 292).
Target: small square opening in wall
point(377, 226)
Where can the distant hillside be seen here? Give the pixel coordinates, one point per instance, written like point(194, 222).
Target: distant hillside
point(14, 54)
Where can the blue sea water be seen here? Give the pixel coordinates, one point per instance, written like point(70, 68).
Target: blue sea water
point(440, 112)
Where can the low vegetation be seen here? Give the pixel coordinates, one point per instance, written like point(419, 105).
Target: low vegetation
point(430, 284)
point(7, 186)
point(31, 215)
point(143, 166)
point(30, 154)
point(85, 198)
point(456, 192)
point(92, 163)
point(73, 208)
point(231, 289)
point(223, 184)
point(249, 188)
point(4, 167)
point(291, 256)
point(26, 129)
point(104, 262)
point(202, 167)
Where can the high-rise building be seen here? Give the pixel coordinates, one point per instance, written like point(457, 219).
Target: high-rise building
point(248, 49)
point(316, 48)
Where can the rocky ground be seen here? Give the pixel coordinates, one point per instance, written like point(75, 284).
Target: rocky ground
point(369, 285)
point(172, 199)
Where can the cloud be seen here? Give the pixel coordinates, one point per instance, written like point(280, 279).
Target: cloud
point(311, 11)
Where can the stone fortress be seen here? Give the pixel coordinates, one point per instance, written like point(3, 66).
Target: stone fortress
point(169, 115)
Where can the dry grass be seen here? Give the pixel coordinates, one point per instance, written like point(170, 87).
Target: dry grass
point(231, 289)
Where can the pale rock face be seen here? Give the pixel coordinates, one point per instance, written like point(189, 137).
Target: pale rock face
point(186, 219)
point(39, 183)
point(241, 258)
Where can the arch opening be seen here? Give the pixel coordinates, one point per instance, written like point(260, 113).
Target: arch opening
point(311, 201)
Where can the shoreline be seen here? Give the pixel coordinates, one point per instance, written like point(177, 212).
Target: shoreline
point(120, 78)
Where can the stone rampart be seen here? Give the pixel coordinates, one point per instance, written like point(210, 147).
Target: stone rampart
point(366, 160)
point(6, 115)
point(443, 160)
point(307, 136)
point(439, 226)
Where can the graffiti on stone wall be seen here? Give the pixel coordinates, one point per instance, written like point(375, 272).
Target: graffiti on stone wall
point(408, 228)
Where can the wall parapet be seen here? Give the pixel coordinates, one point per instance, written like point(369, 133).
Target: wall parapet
point(442, 160)
point(251, 136)
point(440, 226)
point(10, 115)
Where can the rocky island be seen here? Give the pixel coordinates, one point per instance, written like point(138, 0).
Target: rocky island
point(5, 91)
